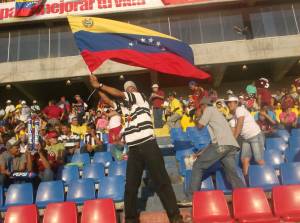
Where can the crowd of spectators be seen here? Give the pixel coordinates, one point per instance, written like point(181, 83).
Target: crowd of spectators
point(40, 141)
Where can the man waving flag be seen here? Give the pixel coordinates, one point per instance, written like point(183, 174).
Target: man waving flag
point(101, 39)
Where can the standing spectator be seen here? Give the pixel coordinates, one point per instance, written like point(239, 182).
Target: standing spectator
point(79, 107)
point(9, 109)
point(143, 150)
point(265, 121)
point(198, 94)
point(53, 113)
point(224, 147)
point(157, 100)
point(252, 138)
point(65, 106)
point(264, 96)
point(175, 112)
point(25, 111)
point(266, 110)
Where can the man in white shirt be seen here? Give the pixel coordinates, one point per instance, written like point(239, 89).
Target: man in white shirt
point(248, 129)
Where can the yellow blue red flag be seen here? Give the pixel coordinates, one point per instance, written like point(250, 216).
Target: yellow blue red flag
point(101, 39)
point(24, 8)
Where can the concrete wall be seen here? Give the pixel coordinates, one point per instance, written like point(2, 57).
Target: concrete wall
point(230, 52)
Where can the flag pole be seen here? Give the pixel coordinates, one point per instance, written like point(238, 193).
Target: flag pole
point(93, 92)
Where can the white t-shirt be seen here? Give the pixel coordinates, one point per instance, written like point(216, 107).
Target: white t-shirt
point(114, 121)
point(250, 127)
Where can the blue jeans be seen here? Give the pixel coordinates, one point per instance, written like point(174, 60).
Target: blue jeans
point(158, 115)
point(255, 146)
point(212, 154)
point(46, 175)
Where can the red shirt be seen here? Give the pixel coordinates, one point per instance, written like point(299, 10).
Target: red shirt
point(157, 102)
point(198, 95)
point(265, 96)
point(53, 112)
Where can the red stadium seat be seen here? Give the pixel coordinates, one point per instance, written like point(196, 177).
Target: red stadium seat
point(18, 214)
point(100, 211)
point(65, 212)
point(210, 206)
point(251, 205)
point(286, 202)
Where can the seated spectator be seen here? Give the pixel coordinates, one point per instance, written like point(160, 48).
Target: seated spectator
point(12, 161)
point(43, 163)
point(102, 122)
point(77, 129)
point(265, 110)
point(288, 119)
point(55, 147)
point(92, 141)
point(174, 112)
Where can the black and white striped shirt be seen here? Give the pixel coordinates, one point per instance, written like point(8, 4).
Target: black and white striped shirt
point(138, 122)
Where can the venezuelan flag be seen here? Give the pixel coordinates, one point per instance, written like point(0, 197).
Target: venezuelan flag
point(26, 8)
point(101, 39)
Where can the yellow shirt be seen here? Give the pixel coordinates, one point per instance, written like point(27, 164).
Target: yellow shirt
point(175, 103)
point(79, 130)
point(186, 122)
point(277, 113)
point(224, 111)
point(296, 111)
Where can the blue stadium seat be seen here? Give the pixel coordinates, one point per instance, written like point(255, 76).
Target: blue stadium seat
point(293, 155)
point(117, 168)
point(81, 158)
point(112, 187)
point(276, 144)
point(183, 153)
point(105, 138)
point(70, 173)
point(103, 157)
point(1, 196)
point(182, 145)
point(273, 158)
point(289, 173)
point(176, 131)
point(223, 184)
point(295, 132)
point(207, 183)
point(19, 194)
point(93, 171)
point(50, 192)
point(81, 190)
point(283, 133)
point(294, 142)
point(262, 176)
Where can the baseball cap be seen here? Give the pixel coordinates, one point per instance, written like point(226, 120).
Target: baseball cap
point(232, 98)
point(23, 102)
point(34, 101)
point(8, 101)
point(192, 83)
point(229, 92)
point(129, 84)
point(155, 86)
point(12, 142)
point(51, 135)
point(205, 101)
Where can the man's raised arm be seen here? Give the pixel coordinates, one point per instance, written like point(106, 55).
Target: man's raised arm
point(110, 90)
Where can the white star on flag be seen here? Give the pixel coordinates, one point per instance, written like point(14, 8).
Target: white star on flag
point(130, 44)
point(151, 40)
point(157, 43)
point(143, 40)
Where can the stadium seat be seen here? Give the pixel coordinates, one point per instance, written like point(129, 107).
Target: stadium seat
point(93, 171)
point(286, 202)
point(19, 214)
point(283, 133)
point(295, 132)
point(207, 183)
point(251, 205)
point(222, 183)
point(112, 187)
point(105, 138)
point(262, 176)
point(50, 192)
point(294, 142)
point(276, 144)
point(182, 145)
point(117, 168)
point(1, 196)
point(100, 210)
point(81, 190)
point(273, 158)
point(69, 174)
point(183, 153)
point(289, 173)
point(103, 157)
point(65, 212)
point(293, 155)
point(210, 206)
point(81, 158)
point(19, 194)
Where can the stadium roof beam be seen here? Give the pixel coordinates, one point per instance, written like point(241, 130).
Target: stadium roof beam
point(281, 68)
point(217, 73)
